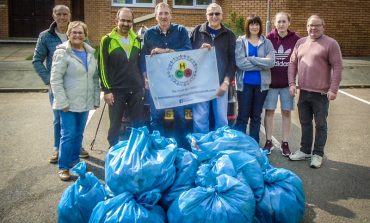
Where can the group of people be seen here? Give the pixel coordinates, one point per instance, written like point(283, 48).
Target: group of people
point(264, 68)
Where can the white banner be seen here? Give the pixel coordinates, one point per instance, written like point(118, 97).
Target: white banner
point(182, 78)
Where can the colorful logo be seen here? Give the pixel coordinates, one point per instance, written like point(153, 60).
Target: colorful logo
point(182, 70)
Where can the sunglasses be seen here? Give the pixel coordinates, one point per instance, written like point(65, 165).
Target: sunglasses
point(214, 13)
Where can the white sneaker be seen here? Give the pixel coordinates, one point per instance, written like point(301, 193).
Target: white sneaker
point(299, 155)
point(316, 161)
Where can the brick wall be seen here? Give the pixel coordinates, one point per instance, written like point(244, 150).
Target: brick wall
point(100, 17)
point(4, 30)
point(346, 20)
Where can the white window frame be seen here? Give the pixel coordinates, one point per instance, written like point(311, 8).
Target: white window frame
point(194, 6)
point(134, 4)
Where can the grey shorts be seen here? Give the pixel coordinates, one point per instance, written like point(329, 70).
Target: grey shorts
point(286, 100)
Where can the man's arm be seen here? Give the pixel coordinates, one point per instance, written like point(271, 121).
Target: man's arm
point(292, 71)
point(335, 60)
point(231, 65)
point(103, 63)
point(103, 71)
point(39, 56)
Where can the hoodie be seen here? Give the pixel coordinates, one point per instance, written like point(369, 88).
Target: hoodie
point(283, 47)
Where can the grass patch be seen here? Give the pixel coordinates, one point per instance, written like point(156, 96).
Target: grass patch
point(29, 57)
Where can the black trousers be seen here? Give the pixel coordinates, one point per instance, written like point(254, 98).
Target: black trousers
point(129, 103)
point(313, 106)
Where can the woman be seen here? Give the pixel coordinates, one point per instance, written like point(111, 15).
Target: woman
point(74, 82)
point(283, 41)
point(254, 55)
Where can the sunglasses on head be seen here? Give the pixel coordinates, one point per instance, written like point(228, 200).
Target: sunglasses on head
point(214, 13)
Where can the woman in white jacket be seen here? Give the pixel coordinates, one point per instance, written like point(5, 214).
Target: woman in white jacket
point(75, 84)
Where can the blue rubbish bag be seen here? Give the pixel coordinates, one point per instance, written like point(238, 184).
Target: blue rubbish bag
point(234, 163)
point(186, 168)
point(79, 199)
point(145, 162)
point(228, 201)
point(206, 146)
point(283, 198)
point(126, 208)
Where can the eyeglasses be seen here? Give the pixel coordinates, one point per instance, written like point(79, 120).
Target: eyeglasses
point(214, 13)
point(314, 25)
point(77, 33)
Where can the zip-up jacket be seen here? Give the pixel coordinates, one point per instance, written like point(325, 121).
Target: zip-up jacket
point(74, 86)
point(176, 38)
point(261, 63)
point(46, 45)
point(224, 43)
point(117, 71)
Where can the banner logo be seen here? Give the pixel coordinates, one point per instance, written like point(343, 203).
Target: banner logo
point(182, 70)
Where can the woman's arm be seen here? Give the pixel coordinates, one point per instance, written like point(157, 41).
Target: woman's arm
point(58, 70)
point(268, 61)
point(242, 61)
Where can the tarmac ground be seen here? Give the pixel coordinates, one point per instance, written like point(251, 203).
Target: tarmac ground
point(30, 189)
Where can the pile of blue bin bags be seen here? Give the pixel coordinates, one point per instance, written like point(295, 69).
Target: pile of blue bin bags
point(226, 178)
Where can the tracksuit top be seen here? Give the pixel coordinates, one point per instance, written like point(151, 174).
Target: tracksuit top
point(119, 73)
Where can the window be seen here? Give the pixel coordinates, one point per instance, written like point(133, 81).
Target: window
point(192, 3)
point(135, 3)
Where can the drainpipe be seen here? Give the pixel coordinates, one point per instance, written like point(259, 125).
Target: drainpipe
point(268, 23)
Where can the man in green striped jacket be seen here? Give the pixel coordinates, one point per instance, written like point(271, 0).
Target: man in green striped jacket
point(120, 75)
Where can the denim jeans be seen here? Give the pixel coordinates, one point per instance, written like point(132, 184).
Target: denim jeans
point(313, 105)
point(201, 114)
point(73, 126)
point(157, 121)
point(56, 122)
point(250, 103)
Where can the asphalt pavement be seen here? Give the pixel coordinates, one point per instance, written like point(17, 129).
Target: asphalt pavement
point(30, 189)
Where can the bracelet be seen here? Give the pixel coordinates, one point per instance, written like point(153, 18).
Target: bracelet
point(227, 83)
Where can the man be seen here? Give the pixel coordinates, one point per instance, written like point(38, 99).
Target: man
point(213, 34)
point(45, 48)
point(317, 60)
point(119, 70)
point(165, 37)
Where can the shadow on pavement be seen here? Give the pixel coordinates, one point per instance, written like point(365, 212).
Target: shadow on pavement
point(331, 187)
point(96, 166)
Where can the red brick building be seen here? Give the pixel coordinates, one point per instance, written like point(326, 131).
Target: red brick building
point(347, 20)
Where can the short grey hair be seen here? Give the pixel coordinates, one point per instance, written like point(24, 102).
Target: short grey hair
point(161, 5)
point(57, 7)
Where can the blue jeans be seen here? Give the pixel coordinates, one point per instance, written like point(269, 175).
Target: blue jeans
point(250, 103)
point(313, 105)
point(56, 122)
point(157, 121)
point(73, 126)
point(201, 114)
